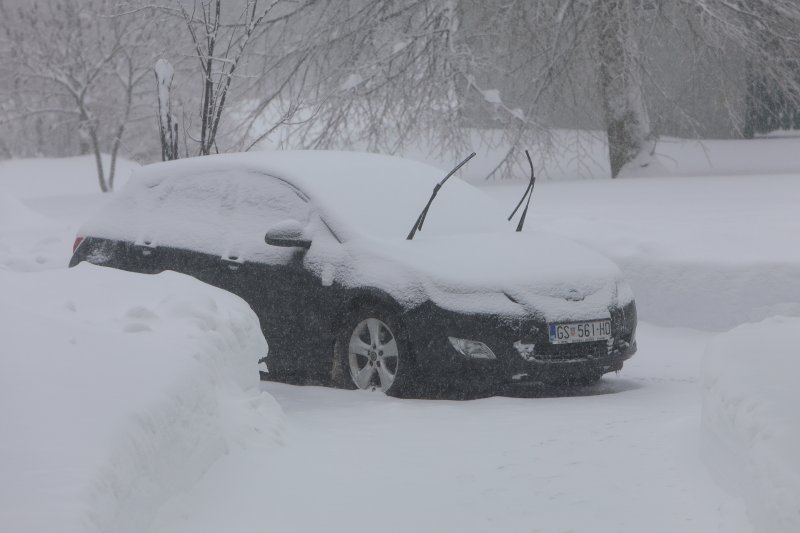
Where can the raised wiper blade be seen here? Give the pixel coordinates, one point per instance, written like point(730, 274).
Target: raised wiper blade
point(528, 194)
point(424, 213)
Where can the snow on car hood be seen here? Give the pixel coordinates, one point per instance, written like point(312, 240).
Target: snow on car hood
point(514, 274)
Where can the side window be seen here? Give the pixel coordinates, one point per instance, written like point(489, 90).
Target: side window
point(221, 214)
point(261, 201)
point(264, 200)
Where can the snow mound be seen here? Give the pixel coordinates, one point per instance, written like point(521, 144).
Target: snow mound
point(31, 178)
point(14, 215)
point(30, 241)
point(118, 391)
point(359, 194)
point(708, 253)
point(751, 422)
point(711, 295)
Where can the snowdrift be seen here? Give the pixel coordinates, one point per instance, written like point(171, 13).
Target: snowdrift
point(711, 296)
point(30, 178)
point(705, 253)
point(751, 422)
point(117, 391)
point(30, 241)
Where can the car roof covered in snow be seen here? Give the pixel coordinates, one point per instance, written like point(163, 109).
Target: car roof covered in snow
point(357, 193)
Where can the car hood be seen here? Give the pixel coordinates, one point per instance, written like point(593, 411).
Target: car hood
point(509, 273)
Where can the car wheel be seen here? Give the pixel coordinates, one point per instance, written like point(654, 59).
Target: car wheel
point(371, 353)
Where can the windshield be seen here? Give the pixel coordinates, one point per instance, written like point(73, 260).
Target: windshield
point(381, 197)
point(389, 214)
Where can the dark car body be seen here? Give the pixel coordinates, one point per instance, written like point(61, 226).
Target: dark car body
point(207, 218)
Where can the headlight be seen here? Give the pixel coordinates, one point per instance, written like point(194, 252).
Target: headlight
point(472, 349)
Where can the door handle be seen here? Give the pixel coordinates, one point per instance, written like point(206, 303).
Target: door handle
point(144, 248)
point(233, 262)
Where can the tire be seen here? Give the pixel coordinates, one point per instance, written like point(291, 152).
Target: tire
point(371, 352)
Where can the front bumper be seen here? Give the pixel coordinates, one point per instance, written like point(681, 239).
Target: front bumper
point(521, 346)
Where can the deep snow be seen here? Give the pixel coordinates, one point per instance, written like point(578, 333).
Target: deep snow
point(357, 193)
point(42, 204)
point(30, 241)
point(465, 255)
point(69, 176)
point(708, 252)
point(627, 455)
point(751, 419)
point(117, 391)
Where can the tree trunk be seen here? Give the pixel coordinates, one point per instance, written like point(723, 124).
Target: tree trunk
point(112, 167)
point(626, 121)
point(98, 159)
point(167, 133)
point(98, 156)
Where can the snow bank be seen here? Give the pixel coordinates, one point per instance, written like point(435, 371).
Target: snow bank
point(574, 154)
point(711, 295)
point(65, 190)
point(28, 178)
point(721, 157)
point(704, 252)
point(118, 390)
point(30, 241)
point(751, 422)
point(14, 215)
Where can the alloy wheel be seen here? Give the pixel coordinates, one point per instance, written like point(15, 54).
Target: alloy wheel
point(373, 355)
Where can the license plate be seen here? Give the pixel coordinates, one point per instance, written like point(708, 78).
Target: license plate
point(592, 330)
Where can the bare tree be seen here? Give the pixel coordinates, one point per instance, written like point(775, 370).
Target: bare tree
point(627, 123)
point(220, 49)
point(167, 125)
point(382, 75)
point(765, 36)
point(78, 62)
point(392, 72)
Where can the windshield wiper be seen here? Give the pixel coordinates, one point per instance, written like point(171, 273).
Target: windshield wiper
point(424, 213)
point(528, 193)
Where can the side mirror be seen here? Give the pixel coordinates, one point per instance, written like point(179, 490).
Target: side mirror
point(287, 233)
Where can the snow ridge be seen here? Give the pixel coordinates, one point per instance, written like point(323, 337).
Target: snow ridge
point(751, 425)
point(138, 386)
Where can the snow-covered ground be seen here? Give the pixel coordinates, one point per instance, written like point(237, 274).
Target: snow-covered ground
point(70, 176)
point(707, 253)
point(619, 457)
point(42, 203)
point(634, 453)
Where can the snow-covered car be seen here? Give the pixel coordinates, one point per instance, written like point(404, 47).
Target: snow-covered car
point(345, 298)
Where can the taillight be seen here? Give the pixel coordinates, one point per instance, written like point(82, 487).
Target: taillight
point(78, 241)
